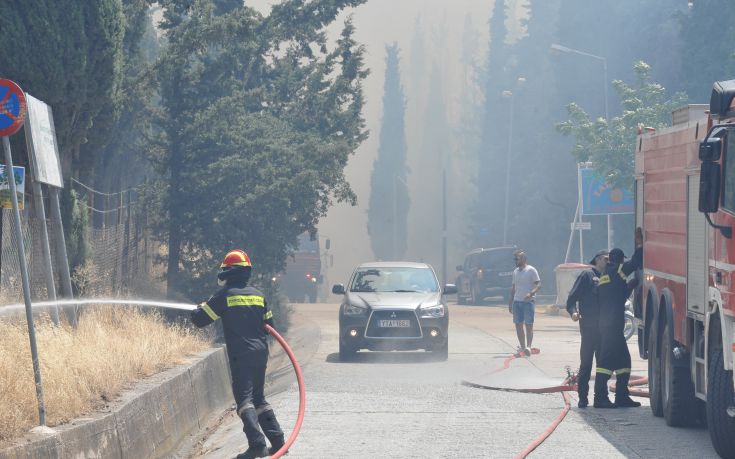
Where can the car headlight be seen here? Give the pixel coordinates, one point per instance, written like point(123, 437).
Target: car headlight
point(354, 310)
point(431, 311)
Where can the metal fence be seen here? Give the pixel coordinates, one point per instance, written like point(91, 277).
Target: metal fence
point(122, 254)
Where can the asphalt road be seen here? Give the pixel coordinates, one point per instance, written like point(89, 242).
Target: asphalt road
point(404, 405)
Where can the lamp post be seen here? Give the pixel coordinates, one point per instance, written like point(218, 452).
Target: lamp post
point(564, 49)
point(509, 94)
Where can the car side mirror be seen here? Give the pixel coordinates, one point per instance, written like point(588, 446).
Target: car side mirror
point(338, 289)
point(450, 289)
point(460, 268)
point(709, 187)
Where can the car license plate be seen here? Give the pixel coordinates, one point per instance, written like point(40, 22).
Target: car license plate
point(505, 274)
point(394, 323)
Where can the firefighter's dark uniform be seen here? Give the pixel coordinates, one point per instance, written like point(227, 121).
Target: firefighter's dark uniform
point(244, 312)
point(613, 291)
point(584, 292)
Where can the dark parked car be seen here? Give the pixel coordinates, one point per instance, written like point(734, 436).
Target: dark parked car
point(485, 273)
point(391, 306)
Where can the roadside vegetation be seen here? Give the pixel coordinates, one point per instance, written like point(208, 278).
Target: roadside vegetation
point(85, 368)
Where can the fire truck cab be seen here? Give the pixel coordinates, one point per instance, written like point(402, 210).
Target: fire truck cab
point(685, 203)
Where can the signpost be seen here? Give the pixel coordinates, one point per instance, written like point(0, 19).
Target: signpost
point(599, 198)
point(596, 197)
point(20, 185)
point(12, 116)
point(43, 152)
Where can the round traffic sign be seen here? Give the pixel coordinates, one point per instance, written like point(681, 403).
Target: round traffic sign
point(12, 107)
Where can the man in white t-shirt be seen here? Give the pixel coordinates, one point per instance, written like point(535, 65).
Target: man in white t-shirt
point(526, 283)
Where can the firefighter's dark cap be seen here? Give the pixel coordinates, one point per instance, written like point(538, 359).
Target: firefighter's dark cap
point(617, 256)
point(600, 253)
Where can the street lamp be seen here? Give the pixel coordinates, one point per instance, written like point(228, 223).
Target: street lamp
point(509, 94)
point(555, 47)
point(563, 49)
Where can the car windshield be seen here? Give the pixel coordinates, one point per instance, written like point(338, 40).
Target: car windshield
point(390, 279)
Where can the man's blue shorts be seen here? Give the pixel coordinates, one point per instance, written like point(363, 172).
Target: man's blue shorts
point(523, 312)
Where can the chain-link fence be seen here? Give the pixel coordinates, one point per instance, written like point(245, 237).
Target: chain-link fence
point(121, 260)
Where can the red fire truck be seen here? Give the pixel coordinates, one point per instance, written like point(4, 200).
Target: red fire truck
point(302, 276)
point(685, 203)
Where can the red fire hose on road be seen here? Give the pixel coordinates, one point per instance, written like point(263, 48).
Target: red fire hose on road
point(569, 384)
point(302, 392)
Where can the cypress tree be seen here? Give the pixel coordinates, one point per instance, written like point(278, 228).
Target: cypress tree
point(708, 46)
point(488, 212)
point(69, 54)
point(389, 201)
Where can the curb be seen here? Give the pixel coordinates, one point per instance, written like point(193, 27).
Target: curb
point(149, 421)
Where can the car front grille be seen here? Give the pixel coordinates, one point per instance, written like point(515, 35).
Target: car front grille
point(374, 330)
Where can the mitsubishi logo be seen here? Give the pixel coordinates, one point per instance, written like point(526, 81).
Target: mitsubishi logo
point(393, 315)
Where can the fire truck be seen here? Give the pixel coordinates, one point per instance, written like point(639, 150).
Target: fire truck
point(302, 276)
point(685, 203)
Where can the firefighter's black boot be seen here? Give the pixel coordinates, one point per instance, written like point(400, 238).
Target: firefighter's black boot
point(253, 453)
point(601, 400)
point(271, 429)
point(622, 393)
point(256, 440)
point(583, 388)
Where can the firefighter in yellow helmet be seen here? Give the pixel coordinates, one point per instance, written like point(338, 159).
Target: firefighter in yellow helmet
point(244, 313)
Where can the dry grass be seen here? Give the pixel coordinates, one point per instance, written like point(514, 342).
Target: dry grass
point(83, 368)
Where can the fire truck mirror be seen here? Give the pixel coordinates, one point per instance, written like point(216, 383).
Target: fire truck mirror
point(328, 244)
point(710, 149)
point(709, 187)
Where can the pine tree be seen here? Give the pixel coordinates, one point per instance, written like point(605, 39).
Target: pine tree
point(389, 201)
point(259, 117)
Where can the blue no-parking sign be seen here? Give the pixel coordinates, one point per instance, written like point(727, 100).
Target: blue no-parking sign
point(12, 108)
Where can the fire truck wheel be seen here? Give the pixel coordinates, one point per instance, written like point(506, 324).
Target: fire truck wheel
point(654, 372)
point(719, 399)
point(677, 389)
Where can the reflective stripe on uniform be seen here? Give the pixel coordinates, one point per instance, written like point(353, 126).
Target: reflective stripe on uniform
point(621, 371)
point(604, 371)
point(245, 300)
point(212, 315)
point(262, 409)
point(622, 274)
point(268, 315)
point(604, 280)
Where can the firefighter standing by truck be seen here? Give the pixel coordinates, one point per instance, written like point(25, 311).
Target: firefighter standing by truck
point(244, 313)
point(584, 293)
point(613, 291)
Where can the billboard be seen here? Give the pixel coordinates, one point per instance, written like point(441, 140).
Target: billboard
point(41, 138)
point(599, 198)
point(20, 183)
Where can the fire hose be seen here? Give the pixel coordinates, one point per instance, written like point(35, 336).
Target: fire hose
point(569, 384)
point(302, 392)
